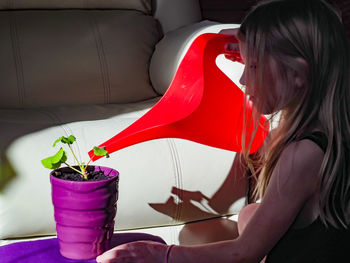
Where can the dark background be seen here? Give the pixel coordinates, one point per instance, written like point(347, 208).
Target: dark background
point(233, 11)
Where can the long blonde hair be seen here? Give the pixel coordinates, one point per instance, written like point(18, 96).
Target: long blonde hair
point(287, 31)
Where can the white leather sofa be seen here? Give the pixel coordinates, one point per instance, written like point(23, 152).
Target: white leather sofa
point(91, 68)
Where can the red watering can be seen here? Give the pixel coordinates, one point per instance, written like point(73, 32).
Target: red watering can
point(202, 105)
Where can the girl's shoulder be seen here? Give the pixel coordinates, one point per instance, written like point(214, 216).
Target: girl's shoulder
point(318, 137)
point(299, 164)
point(308, 147)
point(301, 153)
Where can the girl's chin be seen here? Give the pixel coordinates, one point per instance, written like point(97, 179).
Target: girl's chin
point(268, 111)
point(264, 109)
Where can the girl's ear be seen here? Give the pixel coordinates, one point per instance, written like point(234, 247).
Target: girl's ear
point(301, 73)
point(299, 82)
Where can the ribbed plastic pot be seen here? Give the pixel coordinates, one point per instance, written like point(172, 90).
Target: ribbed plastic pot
point(84, 213)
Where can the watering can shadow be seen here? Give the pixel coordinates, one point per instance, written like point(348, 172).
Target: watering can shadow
point(202, 105)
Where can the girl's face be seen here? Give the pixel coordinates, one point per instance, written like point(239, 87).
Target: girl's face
point(269, 96)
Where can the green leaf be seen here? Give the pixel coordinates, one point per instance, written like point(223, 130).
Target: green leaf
point(57, 141)
point(55, 161)
point(100, 151)
point(67, 140)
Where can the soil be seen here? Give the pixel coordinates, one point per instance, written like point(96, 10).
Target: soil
point(74, 176)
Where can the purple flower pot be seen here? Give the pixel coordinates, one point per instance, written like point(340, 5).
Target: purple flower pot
point(84, 213)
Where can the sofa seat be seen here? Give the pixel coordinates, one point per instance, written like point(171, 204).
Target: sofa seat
point(162, 182)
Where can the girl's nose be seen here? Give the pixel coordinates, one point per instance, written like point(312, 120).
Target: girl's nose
point(242, 80)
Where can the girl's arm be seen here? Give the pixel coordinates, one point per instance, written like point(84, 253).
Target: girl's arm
point(292, 183)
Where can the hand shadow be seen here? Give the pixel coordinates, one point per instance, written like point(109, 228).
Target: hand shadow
point(185, 206)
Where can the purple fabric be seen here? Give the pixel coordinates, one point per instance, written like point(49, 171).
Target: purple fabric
point(47, 250)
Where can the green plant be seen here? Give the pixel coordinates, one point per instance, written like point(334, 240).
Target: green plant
point(55, 161)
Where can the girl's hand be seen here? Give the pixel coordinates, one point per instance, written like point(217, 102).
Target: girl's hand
point(136, 252)
point(232, 49)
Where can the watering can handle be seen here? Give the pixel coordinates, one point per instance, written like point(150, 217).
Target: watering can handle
point(220, 46)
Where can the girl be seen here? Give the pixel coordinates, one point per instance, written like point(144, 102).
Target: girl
point(296, 63)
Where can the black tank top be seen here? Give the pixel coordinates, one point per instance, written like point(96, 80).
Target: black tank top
point(315, 243)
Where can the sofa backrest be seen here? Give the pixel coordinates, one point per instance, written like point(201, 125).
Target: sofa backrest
point(140, 5)
point(173, 14)
point(82, 52)
point(170, 14)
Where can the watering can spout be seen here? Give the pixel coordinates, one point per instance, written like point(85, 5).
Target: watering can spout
point(202, 105)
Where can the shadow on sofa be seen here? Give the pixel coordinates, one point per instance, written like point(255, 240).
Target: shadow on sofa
point(184, 205)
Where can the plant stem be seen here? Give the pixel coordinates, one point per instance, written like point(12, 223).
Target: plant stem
point(74, 169)
point(75, 156)
point(85, 175)
point(87, 164)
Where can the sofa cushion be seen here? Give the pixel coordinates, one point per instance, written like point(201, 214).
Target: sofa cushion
point(140, 5)
point(70, 57)
point(162, 182)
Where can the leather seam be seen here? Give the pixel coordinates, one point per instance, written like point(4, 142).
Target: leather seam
point(179, 182)
point(56, 119)
point(178, 178)
point(101, 56)
point(18, 59)
point(65, 127)
point(104, 61)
